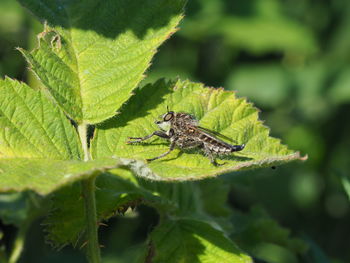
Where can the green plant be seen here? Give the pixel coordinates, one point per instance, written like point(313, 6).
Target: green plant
point(58, 142)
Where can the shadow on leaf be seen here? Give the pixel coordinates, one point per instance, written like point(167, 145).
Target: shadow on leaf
point(144, 100)
point(108, 18)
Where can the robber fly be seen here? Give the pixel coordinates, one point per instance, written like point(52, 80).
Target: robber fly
point(183, 131)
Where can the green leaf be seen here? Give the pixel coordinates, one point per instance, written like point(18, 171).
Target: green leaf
point(119, 189)
point(267, 85)
point(66, 222)
point(339, 92)
point(261, 236)
point(215, 109)
point(116, 190)
point(202, 200)
point(273, 253)
point(44, 175)
point(266, 34)
point(39, 148)
point(20, 210)
point(316, 254)
point(91, 62)
point(13, 208)
point(213, 198)
point(3, 257)
point(186, 240)
point(31, 127)
point(345, 180)
point(257, 26)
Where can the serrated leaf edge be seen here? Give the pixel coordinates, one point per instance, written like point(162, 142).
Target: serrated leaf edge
point(65, 181)
point(141, 169)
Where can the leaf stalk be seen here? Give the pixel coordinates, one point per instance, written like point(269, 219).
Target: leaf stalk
point(18, 244)
point(88, 188)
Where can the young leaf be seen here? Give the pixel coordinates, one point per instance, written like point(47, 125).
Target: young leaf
point(215, 109)
point(92, 54)
point(115, 191)
point(203, 200)
point(39, 148)
point(193, 241)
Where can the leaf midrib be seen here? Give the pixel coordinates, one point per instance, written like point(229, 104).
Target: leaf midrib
point(69, 30)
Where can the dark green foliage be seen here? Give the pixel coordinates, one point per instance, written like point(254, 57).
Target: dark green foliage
point(290, 58)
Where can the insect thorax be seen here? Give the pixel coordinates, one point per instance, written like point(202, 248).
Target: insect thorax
point(182, 121)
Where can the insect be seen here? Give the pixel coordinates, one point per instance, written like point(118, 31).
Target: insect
point(183, 131)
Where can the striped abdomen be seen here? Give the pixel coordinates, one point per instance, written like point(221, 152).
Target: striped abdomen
point(218, 146)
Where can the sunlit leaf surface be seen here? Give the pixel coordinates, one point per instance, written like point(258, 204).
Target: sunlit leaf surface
point(92, 54)
point(39, 148)
point(215, 109)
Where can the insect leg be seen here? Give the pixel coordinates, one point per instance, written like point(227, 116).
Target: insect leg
point(140, 139)
point(211, 156)
point(172, 147)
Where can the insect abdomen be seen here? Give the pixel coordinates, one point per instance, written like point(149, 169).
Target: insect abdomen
point(218, 146)
point(215, 145)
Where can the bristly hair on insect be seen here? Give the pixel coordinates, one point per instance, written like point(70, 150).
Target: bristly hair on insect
point(183, 131)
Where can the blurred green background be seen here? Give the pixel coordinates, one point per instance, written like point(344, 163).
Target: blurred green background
point(291, 58)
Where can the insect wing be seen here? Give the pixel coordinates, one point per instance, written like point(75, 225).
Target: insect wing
point(216, 134)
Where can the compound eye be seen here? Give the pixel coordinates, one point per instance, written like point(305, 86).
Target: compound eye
point(169, 116)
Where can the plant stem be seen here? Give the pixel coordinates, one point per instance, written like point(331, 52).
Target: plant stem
point(82, 130)
point(18, 244)
point(88, 188)
point(93, 248)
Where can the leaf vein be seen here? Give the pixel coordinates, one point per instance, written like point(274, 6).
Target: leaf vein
point(35, 118)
